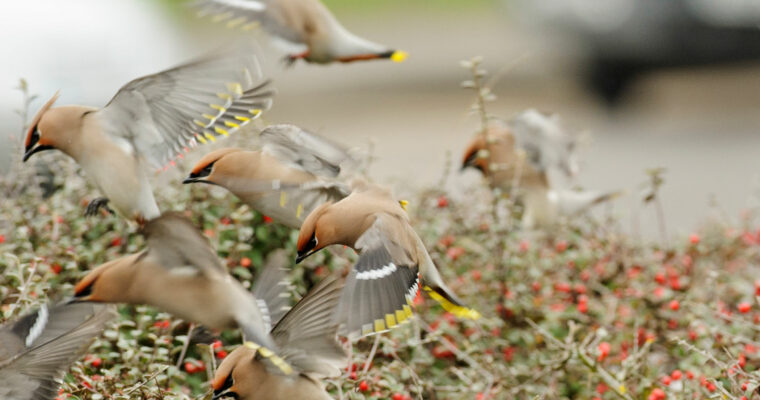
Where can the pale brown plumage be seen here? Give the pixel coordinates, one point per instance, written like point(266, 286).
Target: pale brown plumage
point(180, 273)
point(306, 337)
point(293, 173)
point(383, 283)
point(38, 347)
point(305, 23)
point(150, 122)
point(519, 154)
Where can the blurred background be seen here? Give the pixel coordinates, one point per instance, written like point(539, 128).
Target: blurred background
point(655, 83)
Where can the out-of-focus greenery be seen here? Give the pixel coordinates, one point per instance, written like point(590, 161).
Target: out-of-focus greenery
point(583, 312)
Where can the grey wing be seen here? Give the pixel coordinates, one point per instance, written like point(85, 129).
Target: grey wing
point(161, 116)
point(272, 288)
point(547, 143)
point(176, 242)
point(306, 335)
point(290, 204)
point(304, 150)
point(382, 285)
point(31, 375)
point(41, 326)
point(248, 14)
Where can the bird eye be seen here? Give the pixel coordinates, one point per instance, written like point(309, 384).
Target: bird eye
point(314, 241)
point(204, 172)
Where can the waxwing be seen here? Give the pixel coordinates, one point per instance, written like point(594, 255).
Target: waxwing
point(307, 24)
point(150, 122)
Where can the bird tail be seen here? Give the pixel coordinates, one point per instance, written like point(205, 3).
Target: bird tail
point(450, 302)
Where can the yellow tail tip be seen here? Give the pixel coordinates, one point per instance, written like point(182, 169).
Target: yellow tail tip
point(458, 311)
point(404, 204)
point(399, 56)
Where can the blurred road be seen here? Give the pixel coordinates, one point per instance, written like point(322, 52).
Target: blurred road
point(702, 125)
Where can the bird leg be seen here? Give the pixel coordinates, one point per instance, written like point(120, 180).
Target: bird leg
point(290, 59)
point(94, 206)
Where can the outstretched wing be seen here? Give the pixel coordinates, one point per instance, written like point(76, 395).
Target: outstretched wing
point(160, 116)
point(177, 243)
point(272, 287)
point(547, 143)
point(382, 285)
point(306, 335)
point(290, 20)
point(304, 150)
point(31, 375)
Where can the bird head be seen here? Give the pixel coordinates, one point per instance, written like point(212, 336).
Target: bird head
point(211, 167)
point(317, 232)
point(474, 156)
point(236, 375)
point(107, 282)
point(54, 128)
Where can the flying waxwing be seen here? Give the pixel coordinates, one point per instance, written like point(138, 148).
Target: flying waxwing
point(308, 24)
point(37, 348)
point(392, 258)
point(290, 176)
point(521, 153)
point(180, 273)
point(306, 337)
point(152, 121)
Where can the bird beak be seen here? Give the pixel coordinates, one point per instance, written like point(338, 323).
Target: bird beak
point(191, 180)
point(224, 393)
point(302, 255)
point(35, 149)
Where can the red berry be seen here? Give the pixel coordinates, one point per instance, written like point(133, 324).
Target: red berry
point(676, 374)
point(443, 202)
point(524, 245)
point(476, 275)
point(352, 375)
point(583, 307)
point(744, 307)
point(694, 238)
point(711, 387)
point(454, 252)
point(221, 354)
point(674, 305)
point(665, 380)
point(560, 246)
point(363, 386)
point(267, 220)
point(660, 278)
point(397, 396)
point(657, 394)
point(603, 350)
point(116, 242)
point(216, 345)
point(56, 268)
point(245, 262)
point(2, 239)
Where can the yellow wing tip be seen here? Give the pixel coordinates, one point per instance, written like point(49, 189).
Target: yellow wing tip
point(271, 356)
point(458, 311)
point(404, 204)
point(399, 56)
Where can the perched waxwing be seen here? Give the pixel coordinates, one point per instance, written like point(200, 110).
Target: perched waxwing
point(519, 154)
point(36, 349)
point(306, 338)
point(151, 121)
point(385, 280)
point(308, 24)
point(292, 173)
point(180, 273)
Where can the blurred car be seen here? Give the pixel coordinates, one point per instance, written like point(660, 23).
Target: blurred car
point(622, 39)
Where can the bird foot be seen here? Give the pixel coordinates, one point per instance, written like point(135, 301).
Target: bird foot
point(94, 207)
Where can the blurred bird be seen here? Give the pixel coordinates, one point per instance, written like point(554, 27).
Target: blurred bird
point(37, 348)
point(308, 24)
point(519, 154)
point(290, 176)
point(385, 280)
point(180, 273)
point(306, 339)
point(152, 121)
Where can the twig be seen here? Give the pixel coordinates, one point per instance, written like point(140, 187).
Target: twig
point(185, 346)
